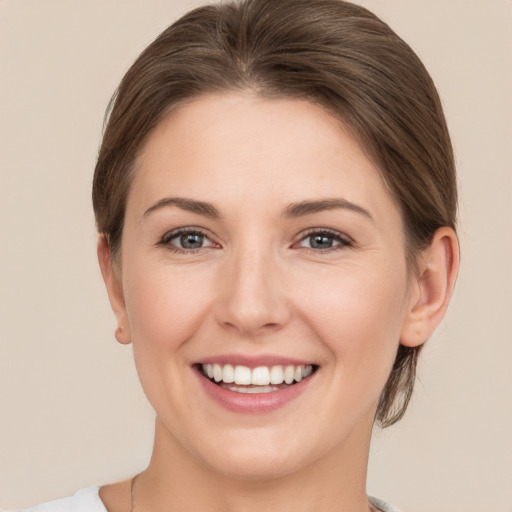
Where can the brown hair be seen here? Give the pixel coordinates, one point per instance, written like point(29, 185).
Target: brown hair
point(329, 52)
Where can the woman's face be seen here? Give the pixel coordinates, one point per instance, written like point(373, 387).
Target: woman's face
point(261, 244)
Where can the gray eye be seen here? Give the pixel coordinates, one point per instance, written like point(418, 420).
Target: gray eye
point(320, 241)
point(324, 240)
point(187, 240)
point(190, 240)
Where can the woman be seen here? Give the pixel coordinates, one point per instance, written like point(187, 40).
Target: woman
point(275, 200)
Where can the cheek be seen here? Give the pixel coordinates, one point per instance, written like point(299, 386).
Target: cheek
point(164, 307)
point(358, 314)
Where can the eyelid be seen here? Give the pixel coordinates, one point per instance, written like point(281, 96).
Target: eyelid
point(343, 239)
point(173, 233)
point(165, 240)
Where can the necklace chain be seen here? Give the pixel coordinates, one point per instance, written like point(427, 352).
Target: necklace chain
point(132, 493)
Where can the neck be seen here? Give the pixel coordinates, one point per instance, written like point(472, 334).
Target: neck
point(177, 480)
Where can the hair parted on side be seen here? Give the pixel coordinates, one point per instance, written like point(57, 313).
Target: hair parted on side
point(329, 52)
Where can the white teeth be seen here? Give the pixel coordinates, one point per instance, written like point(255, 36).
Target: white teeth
point(242, 375)
point(228, 374)
point(217, 372)
point(276, 375)
point(260, 376)
point(252, 389)
point(289, 374)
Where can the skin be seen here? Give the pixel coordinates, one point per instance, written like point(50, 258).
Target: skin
point(257, 286)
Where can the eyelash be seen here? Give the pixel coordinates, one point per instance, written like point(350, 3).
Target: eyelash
point(343, 240)
point(171, 235)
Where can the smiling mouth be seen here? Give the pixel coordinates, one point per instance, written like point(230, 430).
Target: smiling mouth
point(262, 379)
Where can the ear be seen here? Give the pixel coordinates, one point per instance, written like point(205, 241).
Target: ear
point(114, 289)
point(431, 288)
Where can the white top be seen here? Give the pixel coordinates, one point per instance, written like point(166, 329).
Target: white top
point(85, 500)
point(88, 500)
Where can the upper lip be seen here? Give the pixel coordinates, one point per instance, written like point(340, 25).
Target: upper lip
point(253, 361)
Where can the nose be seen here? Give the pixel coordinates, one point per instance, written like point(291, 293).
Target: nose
point(252, 297)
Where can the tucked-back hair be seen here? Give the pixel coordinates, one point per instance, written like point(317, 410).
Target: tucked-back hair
point(332, 53)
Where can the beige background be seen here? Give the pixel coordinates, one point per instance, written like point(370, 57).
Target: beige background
point(71, 411)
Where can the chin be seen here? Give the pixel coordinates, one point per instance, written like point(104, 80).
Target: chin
point(259, 468)
point(256, 457)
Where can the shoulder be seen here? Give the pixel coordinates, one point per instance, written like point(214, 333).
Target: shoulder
point(382, 505)
point(85, 500)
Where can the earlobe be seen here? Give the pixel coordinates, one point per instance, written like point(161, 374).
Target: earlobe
point(114, 288)
point(432, 289)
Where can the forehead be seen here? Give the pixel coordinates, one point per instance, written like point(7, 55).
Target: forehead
point(241, 146)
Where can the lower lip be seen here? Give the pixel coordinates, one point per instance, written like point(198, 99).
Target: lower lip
point(252, 402)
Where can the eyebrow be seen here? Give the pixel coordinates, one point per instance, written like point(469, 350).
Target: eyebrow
point(190, 205)
point(308, 207)
point(293, 210)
